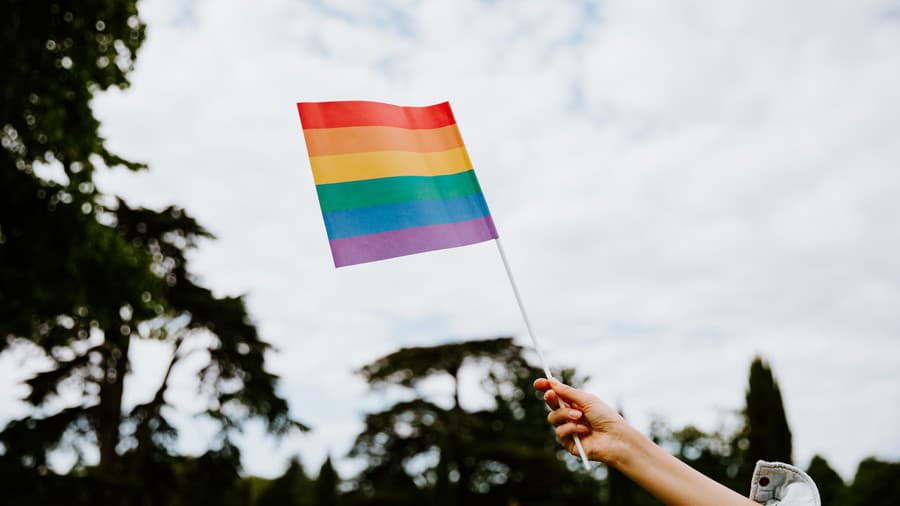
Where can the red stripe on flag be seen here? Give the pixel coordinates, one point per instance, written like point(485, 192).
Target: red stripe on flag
point(352, 113)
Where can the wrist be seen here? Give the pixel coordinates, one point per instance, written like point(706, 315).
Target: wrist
point(626, 445)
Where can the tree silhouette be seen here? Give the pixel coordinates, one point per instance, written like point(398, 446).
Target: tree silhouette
point(766, 435)
point(419, 452)
point(213, 478)
point(293, 488)
point(409, 366)
point(83, 275)
point(90, 350)
point(831, 486)
point(56, 56)
point(326, 485)
point(877, 483)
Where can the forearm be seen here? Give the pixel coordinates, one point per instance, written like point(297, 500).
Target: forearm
point(668, 479)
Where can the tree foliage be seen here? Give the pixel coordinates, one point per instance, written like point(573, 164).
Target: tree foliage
point(326, 488)
point(83, 274)
point(53, 253)
point(876, 483)
point(418, 451)
point(293, 488)
point(56, 56)
point(766, 434)
point(212, 478)
point(409, 366)
point(830, 484)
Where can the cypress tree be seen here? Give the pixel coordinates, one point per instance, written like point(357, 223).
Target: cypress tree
point(290, 489)
point(828, 481)
point(326, 485)
point(766, 435)
point(877, 483)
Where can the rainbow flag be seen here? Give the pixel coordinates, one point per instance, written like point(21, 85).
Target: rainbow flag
point(392, 180)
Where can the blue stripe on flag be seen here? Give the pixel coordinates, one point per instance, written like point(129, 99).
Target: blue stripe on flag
point(419, 213)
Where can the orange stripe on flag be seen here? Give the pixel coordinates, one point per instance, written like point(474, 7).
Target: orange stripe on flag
point(337, 141)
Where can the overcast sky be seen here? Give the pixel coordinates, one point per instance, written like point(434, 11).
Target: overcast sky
point(678, 186)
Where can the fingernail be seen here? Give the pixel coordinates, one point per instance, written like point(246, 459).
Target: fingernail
point(575, 414)
point(582, 429)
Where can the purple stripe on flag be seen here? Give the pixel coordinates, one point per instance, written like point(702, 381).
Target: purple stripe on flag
point(372, 247)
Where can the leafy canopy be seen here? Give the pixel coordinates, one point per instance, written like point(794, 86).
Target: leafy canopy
point(84, 274)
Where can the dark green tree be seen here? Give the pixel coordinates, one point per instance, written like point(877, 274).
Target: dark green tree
point(418, 452)
point(410, 366)
point(766, 434)
point(386, 480)
point(55, 57)
point(327, 485)
point(830, 484)
point(212, 478)
point(89, 352)
point(729, 454)
point(293, 488)
point(877, 483)
point(63, 273)
point(83, 275)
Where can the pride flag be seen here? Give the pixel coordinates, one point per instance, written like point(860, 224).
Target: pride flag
point(392, 180)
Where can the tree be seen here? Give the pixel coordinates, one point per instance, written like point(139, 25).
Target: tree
point(90, 350)
point(410, 366)
point(83, 275)
point(729, 454)
point(877, 483)
point(293, 488)
point(828, 481)
point(766, 435)
point(326, 485)
point(58, 263)
point(56, 56)
point(419, 452)
point(213, 478)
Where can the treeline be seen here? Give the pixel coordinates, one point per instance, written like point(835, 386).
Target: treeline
point(433, 451)
point(418, 453)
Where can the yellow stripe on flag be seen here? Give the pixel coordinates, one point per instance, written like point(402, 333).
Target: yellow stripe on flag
point(378, 164)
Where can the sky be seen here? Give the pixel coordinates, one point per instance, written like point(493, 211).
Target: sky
point(679, 186)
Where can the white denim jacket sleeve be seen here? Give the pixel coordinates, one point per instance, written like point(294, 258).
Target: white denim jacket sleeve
point(777, 484)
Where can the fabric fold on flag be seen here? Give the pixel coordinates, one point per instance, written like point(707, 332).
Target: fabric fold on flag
point(392, 180)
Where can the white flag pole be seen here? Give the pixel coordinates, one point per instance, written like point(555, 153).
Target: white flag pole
point(534, 341)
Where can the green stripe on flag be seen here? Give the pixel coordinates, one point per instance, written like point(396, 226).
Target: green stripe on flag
point(393, 190)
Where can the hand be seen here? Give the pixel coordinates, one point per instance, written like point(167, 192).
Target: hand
point(598, 425)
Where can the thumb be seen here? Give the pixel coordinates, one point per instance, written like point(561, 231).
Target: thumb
point(571, 394)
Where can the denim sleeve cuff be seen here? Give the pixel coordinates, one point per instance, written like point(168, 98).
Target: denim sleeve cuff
point(777, 484)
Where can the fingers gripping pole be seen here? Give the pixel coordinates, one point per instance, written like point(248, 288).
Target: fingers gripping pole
point(534, 342)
